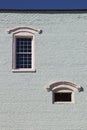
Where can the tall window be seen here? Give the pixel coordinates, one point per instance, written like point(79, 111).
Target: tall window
point(23, 52)
point(23, 58)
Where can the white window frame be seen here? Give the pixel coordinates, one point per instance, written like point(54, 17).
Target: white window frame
point(23, 34)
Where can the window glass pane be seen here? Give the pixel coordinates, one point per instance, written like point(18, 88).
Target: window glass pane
point(62, 97)
point(23, 44)
point(23, 61)
point(23, 53)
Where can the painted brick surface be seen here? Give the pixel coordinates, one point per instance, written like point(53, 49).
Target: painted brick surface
point(60, 54)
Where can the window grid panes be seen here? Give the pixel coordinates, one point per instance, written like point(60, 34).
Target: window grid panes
point(23, 53)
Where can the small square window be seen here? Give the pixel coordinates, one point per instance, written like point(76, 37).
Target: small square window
point(63, 91)
point(62, 97)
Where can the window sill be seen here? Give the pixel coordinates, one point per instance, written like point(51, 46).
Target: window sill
point(23, 70)
point(72, 102)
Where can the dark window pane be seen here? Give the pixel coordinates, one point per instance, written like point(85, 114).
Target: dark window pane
point(62, 97)
point(23, 47)
point(23, 44)
point(23, 60)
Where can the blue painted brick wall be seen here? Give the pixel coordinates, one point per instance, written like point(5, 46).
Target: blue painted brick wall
point(60, 54)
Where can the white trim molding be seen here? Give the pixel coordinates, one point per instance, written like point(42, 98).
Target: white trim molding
point(29, 29)
point(62, 85)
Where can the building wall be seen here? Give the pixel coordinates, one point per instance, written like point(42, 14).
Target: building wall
point(60, 54)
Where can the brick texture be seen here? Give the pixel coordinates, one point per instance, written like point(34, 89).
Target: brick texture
point(60, 54)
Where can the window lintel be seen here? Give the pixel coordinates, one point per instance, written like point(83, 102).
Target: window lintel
point(63, 86)
point(26, 29)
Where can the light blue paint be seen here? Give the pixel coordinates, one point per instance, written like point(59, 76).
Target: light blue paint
point(60, 54)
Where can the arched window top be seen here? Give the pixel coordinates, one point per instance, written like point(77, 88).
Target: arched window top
point(25, 29)
point(63, 86)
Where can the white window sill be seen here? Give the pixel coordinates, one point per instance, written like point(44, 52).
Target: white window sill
point(23, 70)
point(72, 102)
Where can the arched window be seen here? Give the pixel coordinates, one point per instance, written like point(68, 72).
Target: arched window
point(63, 91)
point(23, 58)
